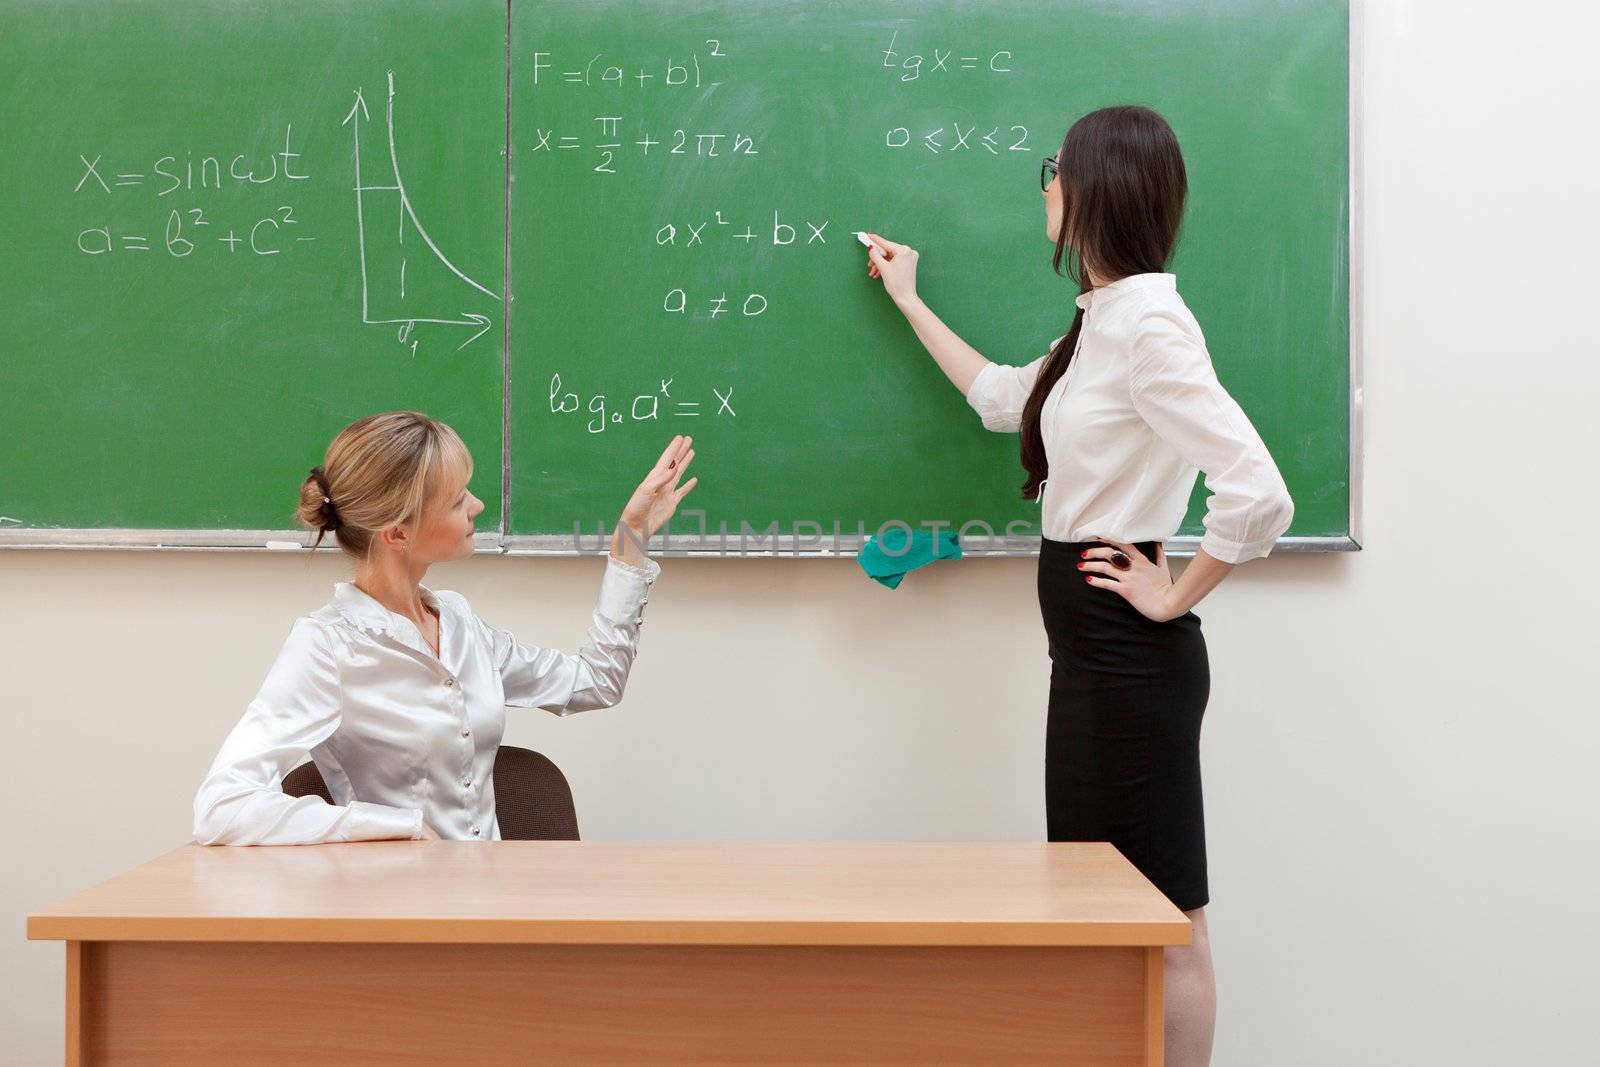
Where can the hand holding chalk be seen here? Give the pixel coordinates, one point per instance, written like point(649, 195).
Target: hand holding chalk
point(896, 264)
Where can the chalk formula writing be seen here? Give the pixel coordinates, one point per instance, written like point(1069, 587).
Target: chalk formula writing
point(955, 138)
point(710, 308)
point(911, 65)
point(269, 235)
point(609, 140)
point(721, 230)
point(598, 70)
point(182, 231)
point(170, 173)
point(694, 119)
point(600, 413)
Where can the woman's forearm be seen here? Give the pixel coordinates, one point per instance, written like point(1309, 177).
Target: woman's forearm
point(960, 362)
point(628, 545)
point(1203, 574)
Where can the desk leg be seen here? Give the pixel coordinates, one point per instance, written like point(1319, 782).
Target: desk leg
point(76, 953)
point(1155, 1012)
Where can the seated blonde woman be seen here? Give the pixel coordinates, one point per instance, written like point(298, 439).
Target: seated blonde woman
point(396, 691)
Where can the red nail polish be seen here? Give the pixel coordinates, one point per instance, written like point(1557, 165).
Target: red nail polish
point(1080, 566)
point(1089, 580)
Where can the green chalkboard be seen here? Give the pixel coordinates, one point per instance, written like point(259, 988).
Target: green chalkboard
point(687, 175)
point(191, 306)
point(573, 228)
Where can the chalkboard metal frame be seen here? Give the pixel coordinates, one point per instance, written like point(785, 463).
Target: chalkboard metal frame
point(485, 542)
point(494, 544)
point(591, 543)
point(758, 546)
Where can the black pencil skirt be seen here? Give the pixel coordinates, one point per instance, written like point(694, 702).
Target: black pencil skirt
point(1122, 747)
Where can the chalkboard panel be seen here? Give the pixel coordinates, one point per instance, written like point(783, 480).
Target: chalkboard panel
point(687, 176)
point(192, 309)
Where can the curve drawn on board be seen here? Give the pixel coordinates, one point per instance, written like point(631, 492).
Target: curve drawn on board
point(480, 324)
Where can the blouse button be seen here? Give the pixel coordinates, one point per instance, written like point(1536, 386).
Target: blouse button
point(448, 682)
point(474, 831)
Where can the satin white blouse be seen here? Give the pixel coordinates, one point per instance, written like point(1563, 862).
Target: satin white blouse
point(402, 735)
point(1138, 413)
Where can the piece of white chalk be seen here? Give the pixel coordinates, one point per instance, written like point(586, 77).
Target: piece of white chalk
point(285, 546)
point(863, 238)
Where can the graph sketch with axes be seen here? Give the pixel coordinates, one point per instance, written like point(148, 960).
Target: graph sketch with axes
point(384, 264)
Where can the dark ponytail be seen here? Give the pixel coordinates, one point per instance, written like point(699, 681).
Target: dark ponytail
point(1033, 457)
point(1123, 188)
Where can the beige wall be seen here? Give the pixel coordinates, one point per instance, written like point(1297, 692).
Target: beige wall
point(1400, 745)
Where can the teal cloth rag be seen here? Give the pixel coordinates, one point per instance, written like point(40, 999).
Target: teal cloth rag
point(897, 551)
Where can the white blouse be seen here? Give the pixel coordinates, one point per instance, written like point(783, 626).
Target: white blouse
point(1137, 414)
point(402, 735)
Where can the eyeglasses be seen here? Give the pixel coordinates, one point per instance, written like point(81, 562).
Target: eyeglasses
point(1048, 172)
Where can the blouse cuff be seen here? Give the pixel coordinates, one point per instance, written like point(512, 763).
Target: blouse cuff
point(1235, 552)
point(978, 392)
point(380, 822)
point(625, 589)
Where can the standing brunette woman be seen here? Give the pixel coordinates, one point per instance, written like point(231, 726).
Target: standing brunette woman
point(1115, 420)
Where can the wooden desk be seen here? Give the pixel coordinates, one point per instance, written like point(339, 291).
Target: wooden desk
point(577, 952)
